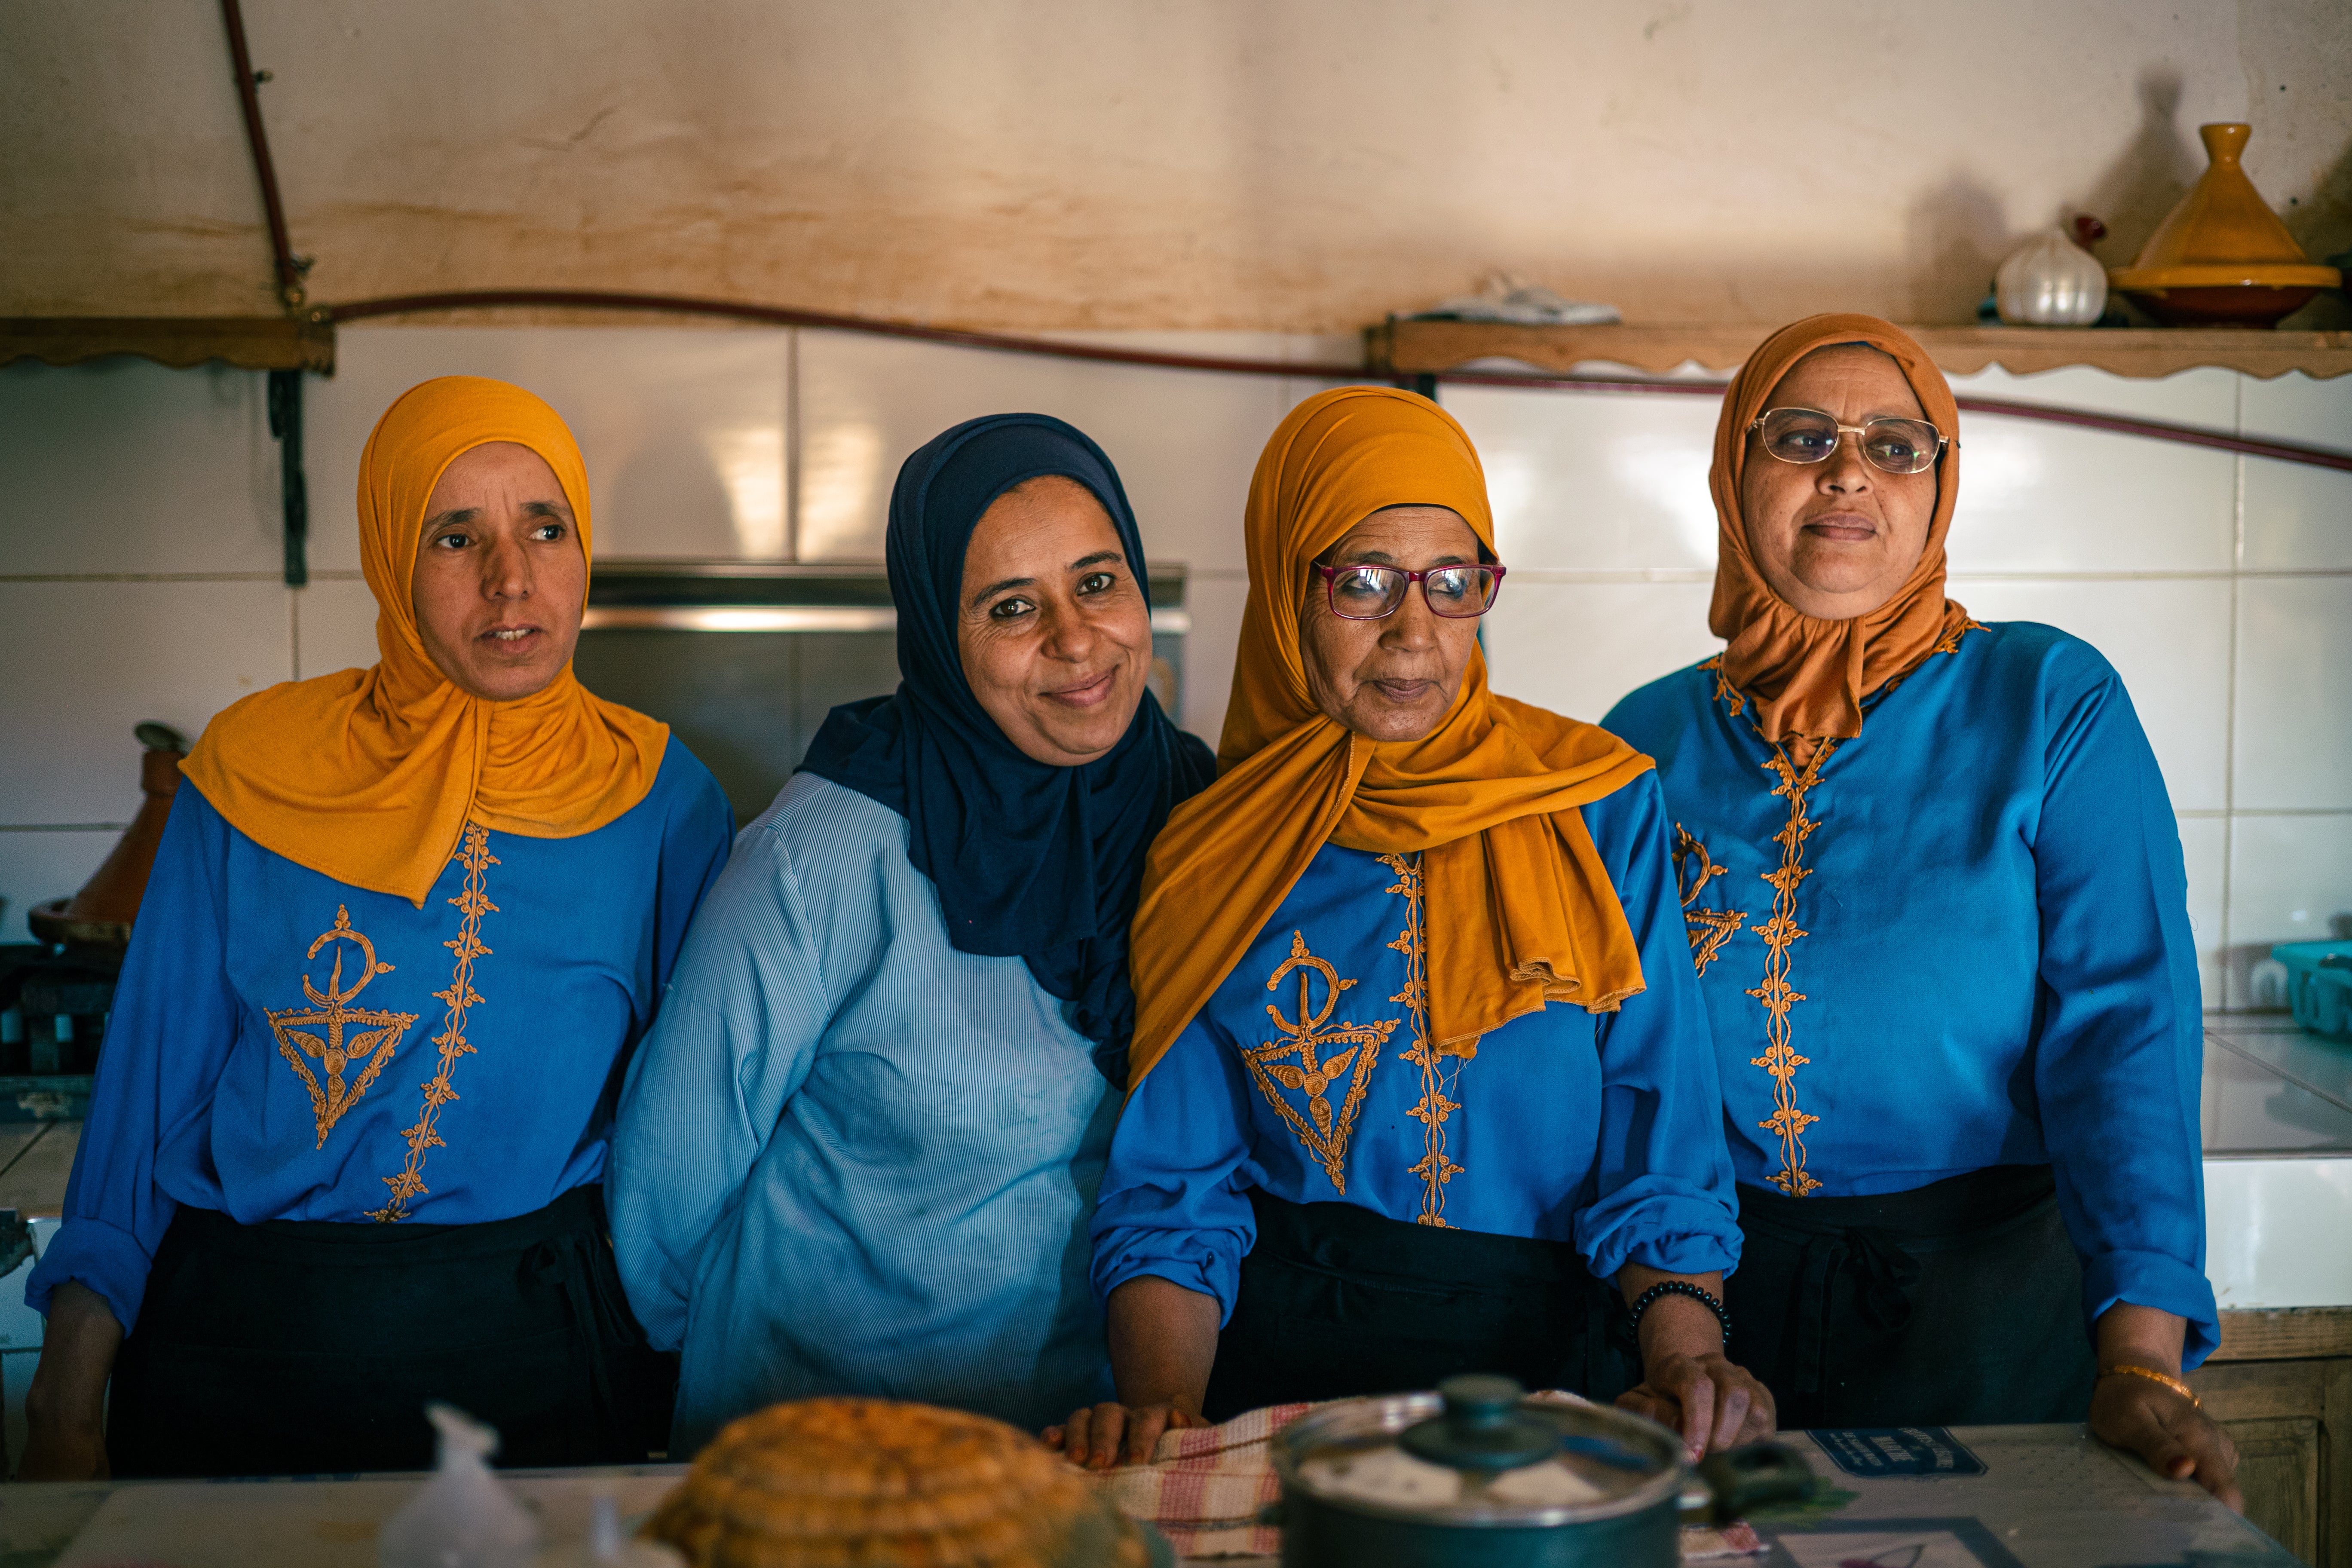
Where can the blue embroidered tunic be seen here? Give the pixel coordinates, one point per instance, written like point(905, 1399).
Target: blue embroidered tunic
point(284, 1046)
point(1959, 940)
point(852, 1159)
point(1309, 1075)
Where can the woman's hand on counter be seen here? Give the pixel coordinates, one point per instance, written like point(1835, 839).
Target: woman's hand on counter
point(2160, 1423)
point(2178, 1441)
point(65, 1409)
point(1163, 1341)
point(1687, 1382)
point(1114, 1434)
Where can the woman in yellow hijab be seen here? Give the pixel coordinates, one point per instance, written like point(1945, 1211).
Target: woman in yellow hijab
point(1419, 1062)
point(346, 1145)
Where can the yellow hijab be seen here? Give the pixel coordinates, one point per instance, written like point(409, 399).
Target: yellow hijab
point(370, 776)
point(1520, 909)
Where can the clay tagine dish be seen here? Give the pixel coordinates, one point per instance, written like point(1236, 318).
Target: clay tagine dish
point(2222, 257)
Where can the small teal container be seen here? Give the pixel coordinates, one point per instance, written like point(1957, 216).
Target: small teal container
point(2319, 984)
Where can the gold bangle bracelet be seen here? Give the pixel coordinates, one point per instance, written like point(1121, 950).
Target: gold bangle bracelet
point(2153, 1375)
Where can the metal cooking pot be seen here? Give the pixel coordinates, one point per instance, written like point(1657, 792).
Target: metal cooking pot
point(1479, 1476)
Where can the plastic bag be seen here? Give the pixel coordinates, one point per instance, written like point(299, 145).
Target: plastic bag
point(463, 1517)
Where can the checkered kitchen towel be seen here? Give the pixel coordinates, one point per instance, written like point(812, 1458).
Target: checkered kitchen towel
point(1206, 1486)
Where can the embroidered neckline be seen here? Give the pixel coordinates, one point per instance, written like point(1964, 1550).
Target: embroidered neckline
point(324, 1032)
point(1781, 932)
point(474, 851)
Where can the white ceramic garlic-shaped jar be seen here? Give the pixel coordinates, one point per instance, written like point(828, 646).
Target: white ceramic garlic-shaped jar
point(2050, 281)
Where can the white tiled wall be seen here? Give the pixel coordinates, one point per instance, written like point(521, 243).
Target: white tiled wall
point(139, 548)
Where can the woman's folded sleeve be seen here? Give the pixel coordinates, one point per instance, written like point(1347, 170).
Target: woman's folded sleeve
point(736, 1030)
point(2120, 1053)
point(1665, 1195)
point(173, 1024)
point(1172, 1202)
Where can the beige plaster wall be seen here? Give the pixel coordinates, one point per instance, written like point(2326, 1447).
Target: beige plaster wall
point(1294, 166)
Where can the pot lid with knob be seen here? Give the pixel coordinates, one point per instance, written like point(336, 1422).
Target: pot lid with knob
point(1479, 1453)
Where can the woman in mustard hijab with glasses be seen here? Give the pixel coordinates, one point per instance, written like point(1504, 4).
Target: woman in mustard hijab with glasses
point(345, 1150)
point(1419, 1062)
point(1935, 892)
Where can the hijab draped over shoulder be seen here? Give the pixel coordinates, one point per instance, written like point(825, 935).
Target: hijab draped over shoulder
point(1031, 860)
point(1804, 676)
point(370, 776)
point(1522, 911)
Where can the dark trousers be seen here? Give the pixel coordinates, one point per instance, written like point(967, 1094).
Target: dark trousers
point(1336, 1301)
point(1956, 1304)
point(303, 1347)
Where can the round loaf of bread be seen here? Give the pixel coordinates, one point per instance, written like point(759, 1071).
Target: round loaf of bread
point(872, 1483)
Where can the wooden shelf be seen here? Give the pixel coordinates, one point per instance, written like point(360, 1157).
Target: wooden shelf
point(254, 342)
point(1427, 347)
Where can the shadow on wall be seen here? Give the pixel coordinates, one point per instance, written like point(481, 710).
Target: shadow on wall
point(1959, 235)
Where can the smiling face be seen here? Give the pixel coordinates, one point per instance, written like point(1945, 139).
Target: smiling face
point(1054, 629)
point(1393, 678)
point(1835, 539)
point(500, 579)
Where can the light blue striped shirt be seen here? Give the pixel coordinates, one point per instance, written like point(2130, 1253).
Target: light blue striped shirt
point(851, 1159)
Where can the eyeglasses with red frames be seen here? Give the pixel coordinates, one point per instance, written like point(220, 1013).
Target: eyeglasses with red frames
point(1374, 593)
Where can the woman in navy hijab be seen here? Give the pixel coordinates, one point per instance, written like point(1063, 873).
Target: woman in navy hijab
point(859, 1152)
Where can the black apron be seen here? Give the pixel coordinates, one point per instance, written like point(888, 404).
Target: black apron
point(1336, 1301)
point(1957, 1304)
point(300, 1347)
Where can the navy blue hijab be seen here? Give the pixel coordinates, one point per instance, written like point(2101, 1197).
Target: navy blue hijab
point(1030, 859)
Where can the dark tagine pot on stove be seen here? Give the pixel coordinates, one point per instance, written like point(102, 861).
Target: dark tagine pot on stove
point(1477, 1476)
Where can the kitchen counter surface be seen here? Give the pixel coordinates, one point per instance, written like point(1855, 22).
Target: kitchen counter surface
point(2049, 1497)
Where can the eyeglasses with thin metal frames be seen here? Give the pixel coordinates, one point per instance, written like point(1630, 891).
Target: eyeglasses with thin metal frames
point(1487, 581)
point(1924, 458)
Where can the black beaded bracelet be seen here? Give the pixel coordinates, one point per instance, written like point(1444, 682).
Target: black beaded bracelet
point(1681, 1287)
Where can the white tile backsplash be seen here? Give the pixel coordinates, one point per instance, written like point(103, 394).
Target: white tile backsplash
point(1184, 442)
point(87, 661)
point(2037, 497)
point(1594, 481)
point(2298, 517)
point(1577, 648)
point(683, 427)
point(36, 867)
point(2169, 640)
point(334, 627)
point(2290, 876)
point(2295, 693)
point(121, 465)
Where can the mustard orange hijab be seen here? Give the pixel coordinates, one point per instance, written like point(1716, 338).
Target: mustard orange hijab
point(1521, 911)
point(369, 776)
point(1806, 678)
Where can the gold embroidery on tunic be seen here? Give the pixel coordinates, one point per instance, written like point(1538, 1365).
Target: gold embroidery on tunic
point(1324, 1132)
point(1434, 1169)
point(474, 850)
point(325, 1030)
point(1780, 1059)
point(1709, 929)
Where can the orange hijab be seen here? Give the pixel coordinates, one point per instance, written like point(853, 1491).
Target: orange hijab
point(1521, 911)
point(369, 776)
point(1807, 678)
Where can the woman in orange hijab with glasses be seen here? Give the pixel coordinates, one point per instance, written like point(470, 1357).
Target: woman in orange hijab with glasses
point(346, 1146)
point(1934, 892)
point(1420, 1082)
